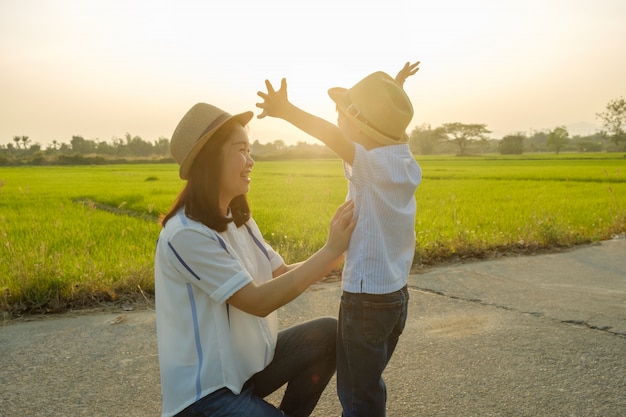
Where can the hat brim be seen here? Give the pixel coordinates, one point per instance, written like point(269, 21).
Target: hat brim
point(185, 166)
point(338, 95)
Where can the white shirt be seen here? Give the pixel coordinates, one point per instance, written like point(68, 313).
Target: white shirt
point(205, 345)
point(382, 182)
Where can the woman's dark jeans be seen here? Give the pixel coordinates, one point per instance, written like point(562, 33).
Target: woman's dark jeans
point(304, 360)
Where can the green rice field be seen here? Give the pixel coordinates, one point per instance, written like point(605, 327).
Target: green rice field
point(74, 236)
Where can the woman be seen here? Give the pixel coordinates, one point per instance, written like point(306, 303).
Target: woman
point(218, 285)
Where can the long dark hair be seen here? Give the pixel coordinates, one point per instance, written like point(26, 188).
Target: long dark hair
point(200, 196)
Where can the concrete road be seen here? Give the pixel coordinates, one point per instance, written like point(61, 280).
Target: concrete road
point(529, 336)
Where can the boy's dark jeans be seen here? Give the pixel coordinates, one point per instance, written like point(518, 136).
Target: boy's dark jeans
point(368, 332)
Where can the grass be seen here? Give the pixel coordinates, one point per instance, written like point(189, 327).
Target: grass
point(74, 236)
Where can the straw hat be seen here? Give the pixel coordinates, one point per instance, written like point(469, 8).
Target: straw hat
point(195, 129)
point(378, 105)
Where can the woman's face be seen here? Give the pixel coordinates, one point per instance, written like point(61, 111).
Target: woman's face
point(237, 166)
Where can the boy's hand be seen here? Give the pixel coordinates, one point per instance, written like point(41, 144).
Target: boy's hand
point(406, 71)
point(275, 103)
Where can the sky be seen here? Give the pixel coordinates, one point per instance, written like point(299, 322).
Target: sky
point(104, 68)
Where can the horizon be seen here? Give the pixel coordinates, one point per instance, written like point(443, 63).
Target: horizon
point(578, 129)
point(102, 69)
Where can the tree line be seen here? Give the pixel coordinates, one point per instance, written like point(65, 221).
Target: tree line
point(470, 139)
point(464, 139)
point(458, 138)
point(132, 149)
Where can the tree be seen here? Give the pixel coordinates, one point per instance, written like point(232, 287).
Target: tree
point(137, 146)
point(537, 141)
point(279, 144)
point(558, 139)
point(463, 134)
point(162, 146)
point(423, 139)
point(78, 144)
point(512, 144)
point(585, 146)
point(103, 148)
point(614, 121)
point(23, 139)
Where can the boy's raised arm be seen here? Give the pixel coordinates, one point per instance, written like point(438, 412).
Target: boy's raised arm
point(276, 104)
point(406, 71)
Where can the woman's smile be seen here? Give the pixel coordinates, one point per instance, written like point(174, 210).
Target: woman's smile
point(237, 166)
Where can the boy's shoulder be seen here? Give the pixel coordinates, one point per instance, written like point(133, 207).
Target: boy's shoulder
point(392, 150)
point(395, 160)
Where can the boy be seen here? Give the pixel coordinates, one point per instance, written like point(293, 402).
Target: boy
point(370, 138)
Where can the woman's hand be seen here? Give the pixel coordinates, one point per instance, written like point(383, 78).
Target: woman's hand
point(276, 103)
point(290, 282)
point(341, 227)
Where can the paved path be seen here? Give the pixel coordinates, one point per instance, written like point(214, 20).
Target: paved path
point(529, 336)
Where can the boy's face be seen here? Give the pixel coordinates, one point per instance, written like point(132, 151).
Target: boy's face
point(351, 131)
point(347, 127)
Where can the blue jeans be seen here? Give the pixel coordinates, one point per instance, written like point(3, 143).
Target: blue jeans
point(304, 359)
point(369, 328)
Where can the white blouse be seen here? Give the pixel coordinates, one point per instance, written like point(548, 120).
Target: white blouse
point(205, 344)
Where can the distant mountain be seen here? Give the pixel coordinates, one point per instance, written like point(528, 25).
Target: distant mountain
point(583, 128)
point(574, 129)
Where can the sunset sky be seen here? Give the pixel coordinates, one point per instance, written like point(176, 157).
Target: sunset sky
point(102, 68)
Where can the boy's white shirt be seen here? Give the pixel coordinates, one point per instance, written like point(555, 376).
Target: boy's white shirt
point(203, 344)
point(382, 182)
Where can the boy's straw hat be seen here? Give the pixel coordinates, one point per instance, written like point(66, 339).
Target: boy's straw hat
point(194, 130)
point(378, 105)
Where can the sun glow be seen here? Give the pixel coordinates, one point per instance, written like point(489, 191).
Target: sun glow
point(104, 68)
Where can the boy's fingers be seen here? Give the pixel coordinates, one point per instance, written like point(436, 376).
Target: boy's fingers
point(263, 113)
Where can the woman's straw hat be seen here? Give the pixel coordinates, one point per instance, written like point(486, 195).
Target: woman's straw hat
point(195, 128)
point(378, 105)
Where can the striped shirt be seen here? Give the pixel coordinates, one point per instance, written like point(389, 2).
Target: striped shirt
point(205, 344)
point(382, 183)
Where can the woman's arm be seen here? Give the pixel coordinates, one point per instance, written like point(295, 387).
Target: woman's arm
point(284, 268)
point(260, 300)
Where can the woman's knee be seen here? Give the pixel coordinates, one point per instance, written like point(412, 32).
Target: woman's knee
point(327, 330)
